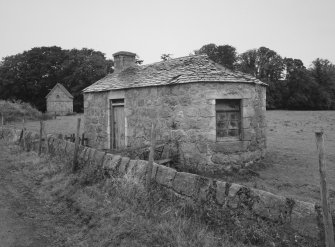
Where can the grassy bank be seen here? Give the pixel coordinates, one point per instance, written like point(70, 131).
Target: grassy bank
point(13, 111)
point(95, 209)
point(118, 212)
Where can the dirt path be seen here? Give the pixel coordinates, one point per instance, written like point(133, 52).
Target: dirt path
point(24, 220)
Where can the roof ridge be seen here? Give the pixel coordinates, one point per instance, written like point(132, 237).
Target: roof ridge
point(172, 59)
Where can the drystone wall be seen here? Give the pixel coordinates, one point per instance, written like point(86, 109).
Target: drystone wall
point(303, 217)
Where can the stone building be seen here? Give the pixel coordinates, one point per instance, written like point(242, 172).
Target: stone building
point(214, 116)
point(59, 100)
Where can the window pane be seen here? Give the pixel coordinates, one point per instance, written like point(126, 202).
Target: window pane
point(222, 125)
point(222, 133)
point(221, 116)
point(232, 132)
point(234, 115)
point(233, 125)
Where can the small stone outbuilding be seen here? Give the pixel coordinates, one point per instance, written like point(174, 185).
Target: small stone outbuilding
point(59, 100)
point(214, 116)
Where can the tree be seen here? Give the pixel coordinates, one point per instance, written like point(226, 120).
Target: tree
point(276, 94)
point(209, 49)
point(323, 72)
point(266, 65)
point(263, 63)
point(300, 85)
point(30, 75)
point(247, 62)
point(224, 54)
point(82, 68)
point(291, 66)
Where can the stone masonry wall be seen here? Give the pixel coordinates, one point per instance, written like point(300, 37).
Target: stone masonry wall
point(186, 117)
point(96, 119)
point(303, 217)
point(61, 104)
point(60, 107)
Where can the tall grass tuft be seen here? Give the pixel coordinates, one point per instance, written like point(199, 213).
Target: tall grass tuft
point(17, 110)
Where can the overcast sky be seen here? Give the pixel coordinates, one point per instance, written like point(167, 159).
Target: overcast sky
point(303, 29)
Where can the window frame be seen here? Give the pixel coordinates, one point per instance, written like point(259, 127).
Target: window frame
point(238, 137)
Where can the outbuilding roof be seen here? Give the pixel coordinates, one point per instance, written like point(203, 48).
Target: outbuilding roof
point(58, 85)
point(196, 68)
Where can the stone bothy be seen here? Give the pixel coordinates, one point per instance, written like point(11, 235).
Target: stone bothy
point(212, 117)
point(59, 100)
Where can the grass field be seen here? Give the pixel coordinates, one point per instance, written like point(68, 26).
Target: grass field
point(61, 125)
point(290, 167)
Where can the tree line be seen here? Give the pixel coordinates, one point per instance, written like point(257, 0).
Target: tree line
point(290, 84)
point(29, 76)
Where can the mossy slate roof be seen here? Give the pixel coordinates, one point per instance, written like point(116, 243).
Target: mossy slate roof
point(197, 68)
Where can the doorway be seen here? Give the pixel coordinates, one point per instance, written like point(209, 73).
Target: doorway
point(117, 120)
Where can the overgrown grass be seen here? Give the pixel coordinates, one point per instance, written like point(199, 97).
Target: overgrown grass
point(105, 211)
point(17, 110)
point(90, 208)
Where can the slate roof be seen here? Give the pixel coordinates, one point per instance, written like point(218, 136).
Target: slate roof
point(61, 88)
point(197, 68)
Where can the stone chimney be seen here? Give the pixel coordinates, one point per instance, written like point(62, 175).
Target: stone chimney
point(123, 60)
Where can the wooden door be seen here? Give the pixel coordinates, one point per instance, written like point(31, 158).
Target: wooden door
point(118, 128)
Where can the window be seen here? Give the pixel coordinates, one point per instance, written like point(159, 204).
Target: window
point(228, 119)
point(117, 101)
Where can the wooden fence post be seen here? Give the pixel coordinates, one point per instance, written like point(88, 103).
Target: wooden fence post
point(76, 147)
point(21, 136)
point(2, 125)
point(23, 139)
point(45, 139)
point(327, 218)
point(41, 137)
point(83, 139)
point(151, 156)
